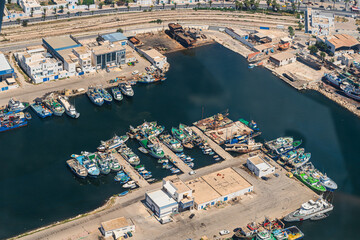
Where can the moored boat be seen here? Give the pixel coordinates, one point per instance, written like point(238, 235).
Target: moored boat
point(172, 143)
point(309, 210)
point(94, 96)
point(309, 181)
point(113, 143)
point(16, 106)
point(129, 155)
point(117, 94)
point(11, 121)
point(126, 89)
point(40, 109)
point(53, 104)
point(88, 161)
point(153, 147)
point(77, 168)
point(104, 94)
point(70, 109)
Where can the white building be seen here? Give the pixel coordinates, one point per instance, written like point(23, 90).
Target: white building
point(340, 43)
point(318, 23)
point(259, 166)
point(156, 59)
point(117, 227)
point(283, 58)
point(29, 6)
point(7, 79)
point(161, 203)
point(179, 191)
point(145, 2)
point(39, 65)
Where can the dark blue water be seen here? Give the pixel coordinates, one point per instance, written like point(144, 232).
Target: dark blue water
point(37, 188)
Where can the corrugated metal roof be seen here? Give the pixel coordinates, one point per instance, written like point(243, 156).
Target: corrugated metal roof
point(114, 37)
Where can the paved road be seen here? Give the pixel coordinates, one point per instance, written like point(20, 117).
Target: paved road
point(155, 8)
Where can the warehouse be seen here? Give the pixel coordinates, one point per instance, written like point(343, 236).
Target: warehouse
point(283, 58)
point(117, 227)
point(6, 71)
point(259, 166)
point(161, 203)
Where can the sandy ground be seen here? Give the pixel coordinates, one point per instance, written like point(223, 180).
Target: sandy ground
point(264, 201)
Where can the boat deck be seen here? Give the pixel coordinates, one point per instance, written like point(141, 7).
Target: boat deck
point(133, 174)
point(217, 149)
point(179, 163)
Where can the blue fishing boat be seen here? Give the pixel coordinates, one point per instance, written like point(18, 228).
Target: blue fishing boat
point(104, 94)
point(40, 109)
point(123, 193)
point(88, 161)
point(11, 121)
point(95, 97)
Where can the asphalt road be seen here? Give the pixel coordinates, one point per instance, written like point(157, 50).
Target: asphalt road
point(155, 8)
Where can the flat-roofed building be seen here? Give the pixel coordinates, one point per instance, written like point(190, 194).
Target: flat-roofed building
point(6, 71)
point(156, 59)
point(30, 6)
point(107, 55)
point(228, 183)
point(39, 65)
point(115, 37)
point(204, 195)
point(179, 191)
point(161, 203)
point(117, 227)
point(264, 48)
point(237, 34)
point(283, 58)
point(259, 166)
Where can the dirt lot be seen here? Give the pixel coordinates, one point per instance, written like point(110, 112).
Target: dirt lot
point(160, 41)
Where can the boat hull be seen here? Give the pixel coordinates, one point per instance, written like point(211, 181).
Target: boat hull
point(22, 124)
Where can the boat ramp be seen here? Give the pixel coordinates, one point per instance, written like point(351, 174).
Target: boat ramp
point(219, 150)
point(178, 162)
point(133, 174)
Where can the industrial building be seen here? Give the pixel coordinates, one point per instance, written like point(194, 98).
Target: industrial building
point(283, 58)
point(179, 191)
point(7, 79)
point(156, 59)
point(237, 34)
point(259, 166)
point(115, 37)
point(340, 43)
point(161, 203)
point(220, 186)
point(107, 55)
point(117, 227)
point(39, 65)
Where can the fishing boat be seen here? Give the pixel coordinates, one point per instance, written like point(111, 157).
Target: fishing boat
point(309, 210)
point(244, 234)
point(143, 150)
point(264, 235)
point(150, 180)
point(152, 146)
point(250, 146)
point(28, 116)
point(174, 170)
point(147, 79)
point(324, 180)
point(145, 174)
point(351, 91)
point(178, 133)
point(172, 143)
point(117, 94)
point(40, 109)
point(333, 79)
point(282, 145)
point(123, 193)
point(190, 164)
point(309, 181)
point(150, 129)
point(113, 143)
point(11, 121)
point(104, 94)
point(300, 160)
point(114, 164)
point(103, 163)
point(70, 109)
point(53, 104)
point(163, 160)
point(130, 184)
point(272, 225)
point(252, 124)
point(77, 168)
point(129, 155)
point(293, 233)
point(88, 161)
point(139, 167)
point(291, 155)
point(16, 106)
point(126, 89)
point(94, 96)
point(121, 177)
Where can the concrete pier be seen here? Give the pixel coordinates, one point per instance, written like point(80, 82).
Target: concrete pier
point(140, 181)
point(179, 163)
point(219, 150)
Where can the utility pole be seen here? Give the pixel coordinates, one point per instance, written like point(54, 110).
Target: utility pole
point(2, 5)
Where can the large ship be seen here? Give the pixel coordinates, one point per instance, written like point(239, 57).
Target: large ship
point(129, 155)
point(70, 109)
point(171, 142)
point(11, 121)
point(324, 180)
point(282, 145)
point(333, 79)
point(40, 109)
point(154, 148)
point(77, 168)
point(95, 97)
point(112, 143)
point(16, 106)
point(104, 94)
point(351, 91)
point(309, 180)
point(53, 104)
point(310, 210)
point(150, 129)
point(126, 89)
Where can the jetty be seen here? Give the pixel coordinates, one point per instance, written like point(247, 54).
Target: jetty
point(133, 174)
point(219, 150)
point(178, 162)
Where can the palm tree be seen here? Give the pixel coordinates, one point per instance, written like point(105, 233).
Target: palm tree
point(198, 5)
point(139, 7)
point(187, 5)
point(55, 10)
point(44, 13)
point(210, 2)
point(175, 5)
point(163, 5)
point(322, 55)
point(128, 7)
point(32, 12)
point(68, 13)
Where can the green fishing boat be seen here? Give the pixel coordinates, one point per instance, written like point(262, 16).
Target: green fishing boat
point(180, 132)
point(52, 103)
point(153, 147)
point(308, 180)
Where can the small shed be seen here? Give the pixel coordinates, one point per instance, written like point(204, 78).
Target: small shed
point(259, 166)
point(117, 227)
point(283, 58)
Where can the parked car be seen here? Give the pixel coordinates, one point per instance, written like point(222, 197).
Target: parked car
point(192, 172)
point(125, 235)
point(129, 234)
point(192, 215)
point(224, 232)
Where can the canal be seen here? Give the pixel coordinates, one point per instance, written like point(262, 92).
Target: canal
point(37, 188)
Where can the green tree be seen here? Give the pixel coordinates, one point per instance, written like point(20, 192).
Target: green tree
point(32, 12)
point(175, 5)
point(18, 20)
point(313, 49)
point(293, 6)
point(275, 6)
point(163, 5)
point(120, 30)
point(61, 7)
point(101, 5)
point(300, 25)
point(291, 31)
point(187, 5)
point(55, 10)
point(128, 7)
point(322, 55)
point(268, 3)
point(198, 5)
point(247, 4)
point(210, 2)
point(24, 23)
point(44, 13)
point(68, 13)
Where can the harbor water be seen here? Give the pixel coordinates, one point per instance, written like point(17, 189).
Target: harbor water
point(37, 188)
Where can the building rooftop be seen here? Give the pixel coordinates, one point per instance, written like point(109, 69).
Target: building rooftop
point(81, 50)
point(226, 181)
point(106, 47)
point(153, 53)
point(116, 224)
point(259, 162)
point(114, 37)
point(282, 56)
point(31, 4)
point(202, 191)
point(343, 40)
point(160, 198)
point(5, 67)
point(263, 46)
point(61, 42)
point(180, 186)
